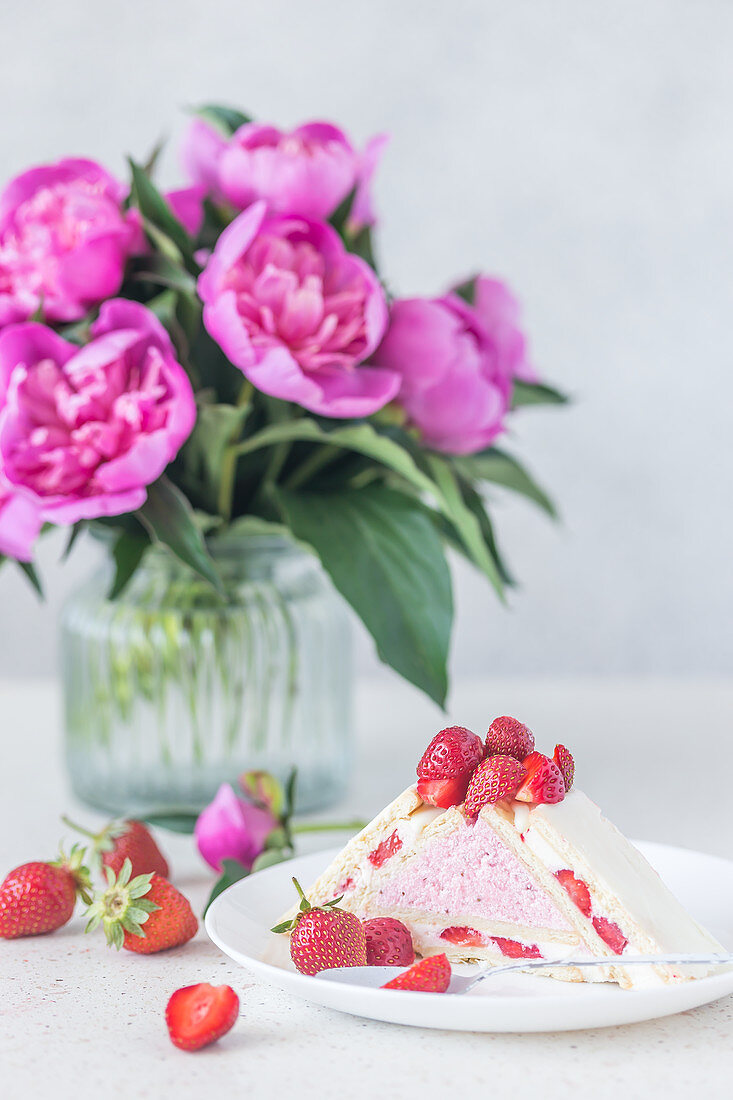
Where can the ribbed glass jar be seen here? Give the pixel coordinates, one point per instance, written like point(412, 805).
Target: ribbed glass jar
point(170, 691)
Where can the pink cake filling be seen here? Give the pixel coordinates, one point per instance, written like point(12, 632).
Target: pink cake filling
point(473, 872)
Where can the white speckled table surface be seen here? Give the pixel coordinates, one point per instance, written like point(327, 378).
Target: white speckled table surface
point(78, 1019)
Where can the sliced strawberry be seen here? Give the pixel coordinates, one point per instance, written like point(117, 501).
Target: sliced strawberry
point(544, 782)
point(577, 890)
point(453, 752)
point(462, 936)
point(443, 792)
point(610, 933)
point(385, 850)
point(200, 1014)
point(564, 760)
point(508, 737)
point(515, 950)
point(431, 975)
point(495, 778)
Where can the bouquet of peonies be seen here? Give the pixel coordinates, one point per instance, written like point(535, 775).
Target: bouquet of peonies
point(225, 357)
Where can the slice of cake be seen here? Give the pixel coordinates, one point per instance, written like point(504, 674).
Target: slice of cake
point(492, 857)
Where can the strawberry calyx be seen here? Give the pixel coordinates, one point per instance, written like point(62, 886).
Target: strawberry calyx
point(122, 907)
point(304, 907)
point(74, 863)
point(104, 840)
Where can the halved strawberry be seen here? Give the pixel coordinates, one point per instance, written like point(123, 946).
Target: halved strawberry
point(443, 792)
point(431, 975)
point(200, 1014)
point(495, 778)
point(509, 737)
point(544, 782)
point(610, 933)
point(577, 890)
point(462, 936)
point(564, 760)
point(513, 949)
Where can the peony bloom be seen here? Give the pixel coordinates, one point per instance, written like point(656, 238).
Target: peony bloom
point(297, 313)
point(64, 241)
point(454, 390)
point(187, 203)
point(498, 311)
point(307, 171)
point(20, 522)
point(230, 828)
point(83, 431)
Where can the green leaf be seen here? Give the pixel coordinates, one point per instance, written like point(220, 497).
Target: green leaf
point(464, 521)
point(535, 393)
point(476, 505)
point(76, 530)
point(252, 525)
point(159, 215)
point(502, 469)
point(362, 245)
point(232, 871)
point(175, 821)
point(217, 427)
point(270, 857)
point(340, 216)
point(225, 119)
point(127, 554)
point(30, 571)
point(169, 519)
point(386, 559)
point(467, 290)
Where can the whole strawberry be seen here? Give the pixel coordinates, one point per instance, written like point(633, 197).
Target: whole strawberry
point(495, 778)
point(144, 914)
point(446, 766)
point(431, 975)
point(325, 937)
point(388, 942)
point(121, 840)
point(37, 898)
point(509, 737)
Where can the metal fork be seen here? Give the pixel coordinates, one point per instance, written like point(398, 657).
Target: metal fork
point(373, 977)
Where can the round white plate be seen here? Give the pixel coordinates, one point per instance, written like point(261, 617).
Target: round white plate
point(239, 923)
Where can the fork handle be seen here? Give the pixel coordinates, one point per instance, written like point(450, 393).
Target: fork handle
point(672, 958)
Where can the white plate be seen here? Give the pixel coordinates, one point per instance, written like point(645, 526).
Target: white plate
point(239, 921)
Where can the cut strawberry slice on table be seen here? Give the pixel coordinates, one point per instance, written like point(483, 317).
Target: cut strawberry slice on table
point(198, 1015)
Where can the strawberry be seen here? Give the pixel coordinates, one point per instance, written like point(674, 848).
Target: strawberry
point(564, 760)
point(508, 737)
point(121, 840)
point(513, 949)
point(388, 942)
point(385, 850)
point(544, 782)
point(495, 778)
point(577, 890)
point(610, 933)
point(322, 938)
point(462, 936)
point(446, 766)
point(431, 975)
point(443, 792)
point(198, 1015)
point(36, 898)
point(128, 904)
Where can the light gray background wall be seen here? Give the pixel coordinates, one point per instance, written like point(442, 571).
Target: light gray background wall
point(582, 149)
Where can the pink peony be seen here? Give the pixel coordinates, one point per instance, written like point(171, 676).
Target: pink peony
point(498, 311)
point(20, 522)
point(454, 390)
point(64, 241)
point(83, 431)
point(307, 171)
point(230, 828)
point(297, 313)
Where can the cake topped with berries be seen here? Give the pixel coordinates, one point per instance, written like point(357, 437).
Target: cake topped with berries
point(493, 854)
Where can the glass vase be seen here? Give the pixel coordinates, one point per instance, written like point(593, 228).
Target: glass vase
point(170, 690)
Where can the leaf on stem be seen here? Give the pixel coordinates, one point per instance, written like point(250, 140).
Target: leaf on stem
point(127, 554)
point(157, 213)
point(225, 119)
point(536, 393)
point(232, 871)
point(503, 469)
point(386, 559)
point(170, 520)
